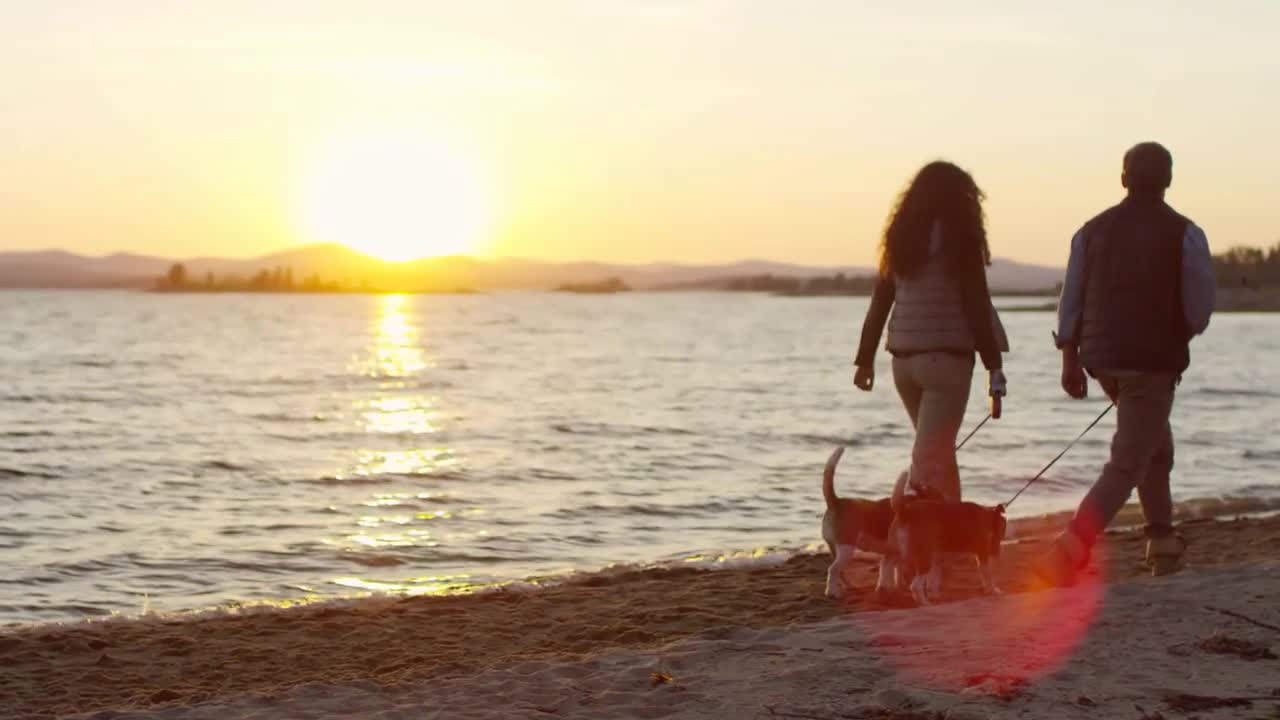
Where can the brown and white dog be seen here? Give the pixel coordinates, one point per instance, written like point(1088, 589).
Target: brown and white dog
point(923, 529)
point(851, 524)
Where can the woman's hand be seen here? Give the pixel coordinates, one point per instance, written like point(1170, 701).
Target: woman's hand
point(997, 388)
point(864, 378)
point(997, 385)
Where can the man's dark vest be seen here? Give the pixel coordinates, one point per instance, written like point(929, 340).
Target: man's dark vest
point(1133, 314)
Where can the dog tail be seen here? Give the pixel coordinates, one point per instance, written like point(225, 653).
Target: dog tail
point(829, 478)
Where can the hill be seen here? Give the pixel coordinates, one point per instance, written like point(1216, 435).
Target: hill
point(61, 269)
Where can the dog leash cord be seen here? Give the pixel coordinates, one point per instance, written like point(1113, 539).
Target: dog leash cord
point(1072, 444)
point(973, 431)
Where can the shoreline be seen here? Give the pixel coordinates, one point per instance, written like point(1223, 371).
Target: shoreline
point(196, 290)
point(1020, 527)
point(174, 662)
point(1229, 300)
point(1233, 300)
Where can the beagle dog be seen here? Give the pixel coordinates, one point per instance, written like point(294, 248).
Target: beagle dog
point(851, 524)
point(924, 528)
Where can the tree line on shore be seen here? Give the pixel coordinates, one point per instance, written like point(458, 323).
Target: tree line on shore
point(838, 284)
point(279, 279)
point(1248, 267)
point(1241, 266)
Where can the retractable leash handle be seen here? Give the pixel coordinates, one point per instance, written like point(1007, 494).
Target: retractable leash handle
point(997, 388)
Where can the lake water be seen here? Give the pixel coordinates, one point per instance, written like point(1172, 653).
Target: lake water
point(173, 452)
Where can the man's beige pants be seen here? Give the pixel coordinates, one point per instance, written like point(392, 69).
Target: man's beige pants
point(1141, 455)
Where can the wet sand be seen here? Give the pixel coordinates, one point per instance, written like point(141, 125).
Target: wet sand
point(522, 653)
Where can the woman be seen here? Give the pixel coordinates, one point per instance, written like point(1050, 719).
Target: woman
point(933, 273)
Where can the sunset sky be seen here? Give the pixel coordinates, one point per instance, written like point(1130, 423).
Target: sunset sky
point(618, 130)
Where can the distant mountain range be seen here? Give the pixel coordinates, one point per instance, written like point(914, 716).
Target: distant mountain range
point(336, 263)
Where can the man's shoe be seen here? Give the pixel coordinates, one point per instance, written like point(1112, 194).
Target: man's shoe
point(1166, 555)
point(1060, 566)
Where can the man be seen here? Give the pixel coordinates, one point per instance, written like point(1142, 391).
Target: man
point(1139, 286)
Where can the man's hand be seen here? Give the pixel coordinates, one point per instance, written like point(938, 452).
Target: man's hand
point(864, 378)
point(1074, 381)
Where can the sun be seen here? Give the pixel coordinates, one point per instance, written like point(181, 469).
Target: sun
point(393, 194)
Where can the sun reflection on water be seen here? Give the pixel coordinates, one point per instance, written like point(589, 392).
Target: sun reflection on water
point(400, 415)
point(392, 522)
point(400, 498)
point(403, 462)
point(397, 352)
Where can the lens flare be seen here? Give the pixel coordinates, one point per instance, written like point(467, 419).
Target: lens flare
point(1009, 640)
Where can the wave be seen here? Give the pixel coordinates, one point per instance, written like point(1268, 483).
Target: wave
point(288, 418)
point(75, 610)
point(1237, 392)
point(236, 530)
point(548, 474)
point(115, 399)
point(93, 363)
point(1224, 506)
point(50, 398)
point(827, 441)
point(402, 380)
point(27, 434)
point(372, 559)
point(382, 478)
point(644, 510)
point(6, 472)
point(611, 430)
point(224, 465)
point(340, 437)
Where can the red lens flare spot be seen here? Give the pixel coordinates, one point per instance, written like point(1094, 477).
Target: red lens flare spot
point(994, 644)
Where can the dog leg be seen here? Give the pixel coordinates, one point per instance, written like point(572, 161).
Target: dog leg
point(901, 567)
point(918, 592)
point(988, 582)
point(933, 584)
point(835, 573)
point(887, 581)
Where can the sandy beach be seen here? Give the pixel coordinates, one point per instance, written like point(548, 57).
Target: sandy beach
point(683, 642)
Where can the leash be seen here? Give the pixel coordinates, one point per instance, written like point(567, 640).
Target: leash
point(973, 431)
point(1045, 469)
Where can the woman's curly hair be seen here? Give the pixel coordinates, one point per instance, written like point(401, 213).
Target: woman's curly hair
point(940, 192)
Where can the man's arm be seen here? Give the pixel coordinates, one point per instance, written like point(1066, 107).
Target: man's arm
point(1070, 312)
point(1071, 300)
point(1199, 286)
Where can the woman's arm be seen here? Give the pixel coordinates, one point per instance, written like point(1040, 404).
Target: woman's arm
point(976, 298)
point(873, 326)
